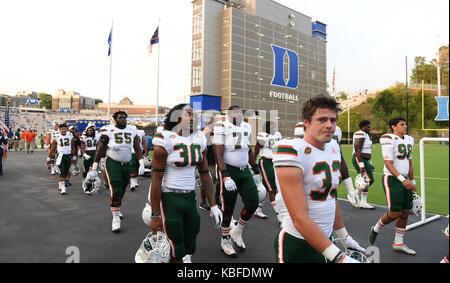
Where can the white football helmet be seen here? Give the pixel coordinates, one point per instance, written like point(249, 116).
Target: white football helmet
point(262, 192)
point(147, 162)
point(90, 124)
point(357, 255)
point(446, 232)
point(91, 186)
point(147, 213)
point(154, 249)
point(74, 169)
point(417, 204)
point(361, 182)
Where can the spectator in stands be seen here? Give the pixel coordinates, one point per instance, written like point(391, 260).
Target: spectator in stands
point(3, 142)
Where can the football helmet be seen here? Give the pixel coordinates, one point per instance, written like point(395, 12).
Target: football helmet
point(417, 204)
point(361, 182)
point(446, 232)
point(357, 255)
point(147, 213)
point(90, 124)
point(155, 248)
point(74, 169)
point(91, 186)
point(262, 192)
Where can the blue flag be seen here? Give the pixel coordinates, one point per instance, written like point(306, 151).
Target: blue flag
point(154, 39)
point(109, 42)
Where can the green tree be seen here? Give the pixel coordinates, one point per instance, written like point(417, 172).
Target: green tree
point(97, 101)
point(45, 100)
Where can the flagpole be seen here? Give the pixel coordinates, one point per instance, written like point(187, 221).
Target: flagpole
point(157, 83)
point(110, 72)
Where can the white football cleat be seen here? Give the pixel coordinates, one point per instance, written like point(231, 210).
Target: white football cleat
point(116, 224)
point(120, 215)
point(187, 259)
point(354, 201)
point(227, 247)
point(365, 205)
point(403, 248)
point(236, 236)
point(260, 214)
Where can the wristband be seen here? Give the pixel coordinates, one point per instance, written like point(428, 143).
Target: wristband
point(333, 253)
point(401, 178)
point(413, 181)
point(225, 173)
point(49, 159)
point(74, 158)
point(95, 166)
point(361, 165)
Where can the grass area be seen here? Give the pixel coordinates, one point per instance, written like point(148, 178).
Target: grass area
point(436, 176)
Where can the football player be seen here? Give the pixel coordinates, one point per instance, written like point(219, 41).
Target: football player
point(308, 175)
point(362, 152)
point(352, 194)
point(134, 165)
point(116, 142)
point(89, 141)
point(50, 136)
point(398, 182)
point(65, 146)
point(233, 154)
point(264, 146)
point(178, 151)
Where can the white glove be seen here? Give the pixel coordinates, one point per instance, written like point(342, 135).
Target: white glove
point(86, 156)
point(141, 170)
point(256, 178)
point(92, 174)
point(353, 198)
point(349, 243)
point(229, 184)
point(217, 213)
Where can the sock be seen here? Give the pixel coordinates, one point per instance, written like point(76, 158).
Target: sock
point(133, 182)
point(399, 233)
point(62, 184)
point(378, 226)
point(241, 224)
point(225, 231)
point(275, 207)
point(445, 259)
point(115, 211)
point(364, 196)
point(260, 205)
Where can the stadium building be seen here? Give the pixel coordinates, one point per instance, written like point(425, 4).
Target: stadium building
point(258, 54)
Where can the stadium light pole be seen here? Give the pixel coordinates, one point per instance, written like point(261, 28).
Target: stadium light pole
point(406, 88)
point(438, 68)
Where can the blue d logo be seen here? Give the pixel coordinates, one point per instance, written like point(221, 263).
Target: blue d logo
point(279, 72)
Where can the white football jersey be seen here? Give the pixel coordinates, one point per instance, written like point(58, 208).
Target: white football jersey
point(90, 142)
point(140, 134)
point(337, 134)
point(321, 178)
point(398, 150)
point(367, 146)
point(124, 138)
point(184, 154)
point(236, 140)
point(267, 141)
point(54, 134)
point(299, 129)
point(64, 143)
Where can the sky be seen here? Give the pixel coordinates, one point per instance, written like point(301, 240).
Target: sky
point(46, 45)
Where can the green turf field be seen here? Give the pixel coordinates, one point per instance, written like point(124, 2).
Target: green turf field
point(436, 173)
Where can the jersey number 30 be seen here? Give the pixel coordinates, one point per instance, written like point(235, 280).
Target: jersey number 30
point(191, 155)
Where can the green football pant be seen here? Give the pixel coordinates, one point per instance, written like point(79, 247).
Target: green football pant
point(246, 187)
point(134, 164)
point(88, 163)
point(268, 174)
point(367, 167)
point(398, 198)
point(289, 249)
point(181, 222)
point(64, 165)
point(118, 174)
